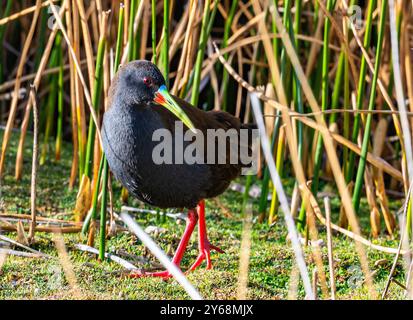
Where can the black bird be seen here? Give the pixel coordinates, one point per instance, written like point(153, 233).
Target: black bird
point(139, 104)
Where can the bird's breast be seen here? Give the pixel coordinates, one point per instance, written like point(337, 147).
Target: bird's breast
point(128, 142)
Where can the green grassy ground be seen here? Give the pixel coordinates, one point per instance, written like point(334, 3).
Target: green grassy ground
point(271, 258)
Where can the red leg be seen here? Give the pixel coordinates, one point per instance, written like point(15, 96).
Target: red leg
point(203, 242)
point(190, 226)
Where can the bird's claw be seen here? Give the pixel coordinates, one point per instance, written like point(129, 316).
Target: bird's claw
point(205, 254)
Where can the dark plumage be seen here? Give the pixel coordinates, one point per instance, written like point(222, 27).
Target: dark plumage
point(127, 131)
point(127, 135)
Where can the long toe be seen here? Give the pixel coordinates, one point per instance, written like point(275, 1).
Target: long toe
point(143, 274)
point(205, 254)
point(198, 261)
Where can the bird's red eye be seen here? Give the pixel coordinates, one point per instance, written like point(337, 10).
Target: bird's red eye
point(147, 81)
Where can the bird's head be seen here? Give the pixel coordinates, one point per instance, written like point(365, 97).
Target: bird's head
point(141, 83)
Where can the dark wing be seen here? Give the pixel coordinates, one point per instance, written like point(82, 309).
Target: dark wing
point(221, 174)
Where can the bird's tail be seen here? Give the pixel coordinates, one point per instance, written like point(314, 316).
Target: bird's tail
point(250, 127)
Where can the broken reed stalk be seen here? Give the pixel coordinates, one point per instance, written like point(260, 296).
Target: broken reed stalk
point(34, 163)
point(53, 229)
point(9, 18)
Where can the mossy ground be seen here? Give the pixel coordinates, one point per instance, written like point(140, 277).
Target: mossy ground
point(271, 257)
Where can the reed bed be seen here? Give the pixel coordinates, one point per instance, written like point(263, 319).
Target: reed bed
point(332, 81)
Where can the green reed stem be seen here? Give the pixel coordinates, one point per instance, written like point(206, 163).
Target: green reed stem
point(103, 168)
point(297, 92)
point(137, 42)
point(301, 221)
point(361, 88)
point(285, 79)
point(102, 242)
point(364, 147)
point(165, 43)
point(153, 11)
point(59, 133)
point(346, 123)
point(132, 13)
point(51, 99)
point(391, 78)
point(200, 54)
point(285, 61)
point(188, 85)
point(92, 214)
point(119, 40)
point(51, 103)
point(97, 93)
point(265, 181)
point(324, 96)
point(212, 17)
point(275, 40)
point(279, 164)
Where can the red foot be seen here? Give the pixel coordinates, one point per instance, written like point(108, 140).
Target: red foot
point(190, 225)
point(203, 242)
point(205, 254)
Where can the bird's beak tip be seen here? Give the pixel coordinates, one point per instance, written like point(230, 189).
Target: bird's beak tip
point(163, 97)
